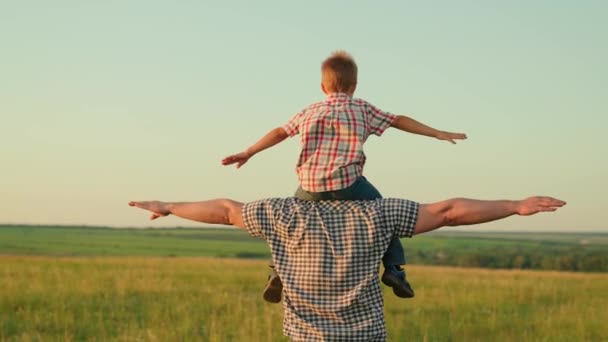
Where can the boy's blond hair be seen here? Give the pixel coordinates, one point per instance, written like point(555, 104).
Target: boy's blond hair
point(339, 73)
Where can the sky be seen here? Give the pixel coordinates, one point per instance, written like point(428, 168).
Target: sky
point(103, 102)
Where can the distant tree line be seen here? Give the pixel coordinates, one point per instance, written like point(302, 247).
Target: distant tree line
point(558, 259)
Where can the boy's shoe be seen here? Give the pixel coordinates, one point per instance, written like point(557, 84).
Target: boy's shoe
point(395, 277)
point(274, 288)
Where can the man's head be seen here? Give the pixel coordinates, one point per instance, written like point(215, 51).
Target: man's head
point(339, 74)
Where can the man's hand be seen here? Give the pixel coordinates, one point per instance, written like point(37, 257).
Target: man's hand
point(536, 204)
point(240, 159)
point(158, 209)
point(449, 136)
point(216, 211)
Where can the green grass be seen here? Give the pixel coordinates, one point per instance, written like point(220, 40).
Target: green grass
point(554, 251)
point(223, 242)
point(209, 299)
point(83, 241)
point(99, 284)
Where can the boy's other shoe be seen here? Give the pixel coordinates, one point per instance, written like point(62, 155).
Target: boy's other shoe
point(274, 288)
point(394, 277)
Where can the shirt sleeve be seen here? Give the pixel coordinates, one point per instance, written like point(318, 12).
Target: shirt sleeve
point(258, 217)
point(378, 121)
point(400, 216)
point(292, 127)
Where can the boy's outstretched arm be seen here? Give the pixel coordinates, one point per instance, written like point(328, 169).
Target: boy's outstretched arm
point(410, 125)
point(217, 211)
point(271, 138)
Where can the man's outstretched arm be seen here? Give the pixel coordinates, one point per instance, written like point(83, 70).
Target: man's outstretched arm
point(217, 211)
point(462, 211)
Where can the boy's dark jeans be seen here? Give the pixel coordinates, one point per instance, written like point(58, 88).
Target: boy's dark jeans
point(361, 189)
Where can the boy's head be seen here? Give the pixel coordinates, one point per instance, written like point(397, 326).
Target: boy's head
point(339, 74)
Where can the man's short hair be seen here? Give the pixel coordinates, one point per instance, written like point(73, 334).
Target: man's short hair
point(339, 72)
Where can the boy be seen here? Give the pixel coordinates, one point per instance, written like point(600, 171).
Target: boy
point(331, 160)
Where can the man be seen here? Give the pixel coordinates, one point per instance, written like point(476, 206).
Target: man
point(327, 253)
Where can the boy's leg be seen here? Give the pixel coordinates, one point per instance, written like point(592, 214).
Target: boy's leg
point(393, 276)
point(274, 287)
point(394, 255)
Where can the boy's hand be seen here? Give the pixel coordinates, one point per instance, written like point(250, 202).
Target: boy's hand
point(240, 159)
point(449, 136)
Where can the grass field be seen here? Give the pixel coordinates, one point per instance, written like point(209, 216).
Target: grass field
point(100, 241)
point(99, 284)
point(84, 241)
point(210, 299)
point(555, 251)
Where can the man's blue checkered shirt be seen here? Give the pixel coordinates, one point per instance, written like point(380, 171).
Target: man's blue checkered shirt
point(327, 254)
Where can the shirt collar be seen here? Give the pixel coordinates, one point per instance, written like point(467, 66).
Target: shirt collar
point(338, 96)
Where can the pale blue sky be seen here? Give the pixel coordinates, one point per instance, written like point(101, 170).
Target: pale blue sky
point(103, 102)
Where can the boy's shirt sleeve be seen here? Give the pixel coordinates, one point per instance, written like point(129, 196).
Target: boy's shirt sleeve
point(292, 127)
point(378, 120)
